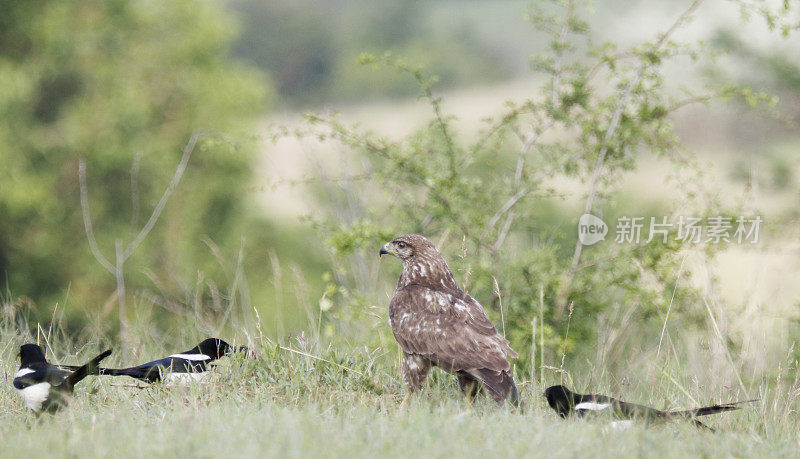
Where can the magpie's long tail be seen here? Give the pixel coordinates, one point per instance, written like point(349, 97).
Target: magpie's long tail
point(133, 372)
point(706, 410)
point(90, 368)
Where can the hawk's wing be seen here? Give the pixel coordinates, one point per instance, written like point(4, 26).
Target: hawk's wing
point(449, 328)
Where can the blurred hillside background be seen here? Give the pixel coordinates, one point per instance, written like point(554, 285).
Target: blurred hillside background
point(278, 221)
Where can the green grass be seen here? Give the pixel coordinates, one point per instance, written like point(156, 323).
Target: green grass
point(283, 404)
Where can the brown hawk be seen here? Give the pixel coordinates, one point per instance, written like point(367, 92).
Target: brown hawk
point(436, 323)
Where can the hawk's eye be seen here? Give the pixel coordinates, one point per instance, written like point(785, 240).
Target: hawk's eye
point(401, 245)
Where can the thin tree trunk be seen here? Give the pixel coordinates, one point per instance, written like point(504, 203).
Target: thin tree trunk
point(118, 273)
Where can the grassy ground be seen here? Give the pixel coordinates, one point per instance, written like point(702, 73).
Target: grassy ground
point(286, 404)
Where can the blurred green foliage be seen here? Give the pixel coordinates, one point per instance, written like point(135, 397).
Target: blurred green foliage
point(309, 48)
point(494, 202)
point(122, 85)
point(768, 143)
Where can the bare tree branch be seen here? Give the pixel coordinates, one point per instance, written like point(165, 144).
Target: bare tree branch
point(534, 136)
point(122, 254)
point(506, 207)
point(611, 130)
point(509, 206)
point(119, 274)
point(87, 220)
point(601, 157)
point(531, 139)
point(176, 177)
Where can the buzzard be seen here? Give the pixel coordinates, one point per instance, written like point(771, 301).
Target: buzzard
point(437, 324)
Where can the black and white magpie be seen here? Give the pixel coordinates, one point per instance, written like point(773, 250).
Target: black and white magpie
point(191, 365)
point(46, 387)
point(566, 403)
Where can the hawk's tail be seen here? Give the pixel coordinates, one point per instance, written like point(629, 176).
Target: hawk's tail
point(706, 410)
point(500, 385)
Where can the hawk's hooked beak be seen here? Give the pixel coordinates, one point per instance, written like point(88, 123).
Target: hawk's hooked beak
point(384, 250)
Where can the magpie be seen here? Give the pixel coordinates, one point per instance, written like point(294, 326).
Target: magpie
point(46, 387)
point(566, 403)
point(191, 365)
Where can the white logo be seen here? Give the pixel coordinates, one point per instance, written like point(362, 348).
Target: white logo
point(591, 229)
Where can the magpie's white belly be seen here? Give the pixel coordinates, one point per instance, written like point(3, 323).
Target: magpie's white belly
point(184, 378)
point(34, 395)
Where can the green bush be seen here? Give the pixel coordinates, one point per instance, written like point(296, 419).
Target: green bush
point(503, 205)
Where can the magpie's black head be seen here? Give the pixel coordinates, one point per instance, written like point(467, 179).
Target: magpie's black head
point(560, 399)
point(214, 348)
point(30, 353)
